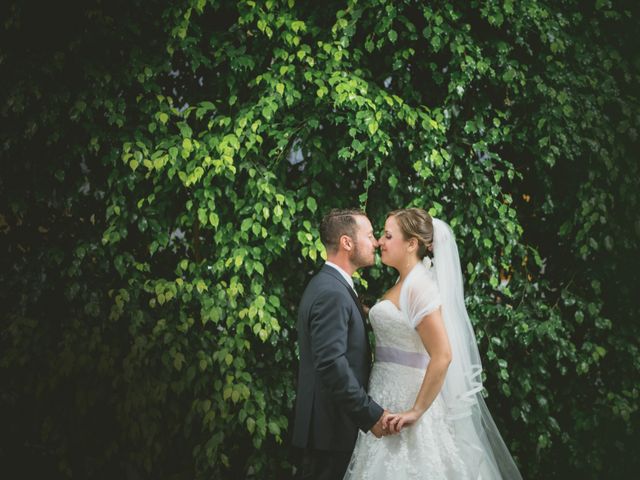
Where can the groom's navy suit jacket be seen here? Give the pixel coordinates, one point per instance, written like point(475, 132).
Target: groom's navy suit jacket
point(335, 359)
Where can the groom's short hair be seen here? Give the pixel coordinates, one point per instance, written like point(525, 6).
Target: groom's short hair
point(338, 222)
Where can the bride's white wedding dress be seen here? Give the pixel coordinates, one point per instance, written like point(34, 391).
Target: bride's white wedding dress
point(425, 450)
point(456, 438)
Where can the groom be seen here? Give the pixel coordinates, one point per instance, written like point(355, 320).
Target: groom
point(332, 402)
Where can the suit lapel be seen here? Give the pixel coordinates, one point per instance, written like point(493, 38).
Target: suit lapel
point(365, 322)
point(335, 274)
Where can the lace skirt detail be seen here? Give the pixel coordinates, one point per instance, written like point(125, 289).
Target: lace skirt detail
point(425, 450)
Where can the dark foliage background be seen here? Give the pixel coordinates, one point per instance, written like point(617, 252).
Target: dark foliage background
point(164, 170)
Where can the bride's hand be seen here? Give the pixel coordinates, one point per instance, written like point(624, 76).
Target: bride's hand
point(394, 422)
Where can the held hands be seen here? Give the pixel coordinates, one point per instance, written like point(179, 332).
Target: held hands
point(379, 429)
point(393, 423)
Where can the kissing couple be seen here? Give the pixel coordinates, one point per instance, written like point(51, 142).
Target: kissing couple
point(418, 412)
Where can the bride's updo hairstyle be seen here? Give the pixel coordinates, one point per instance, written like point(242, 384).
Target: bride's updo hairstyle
point(416, 223)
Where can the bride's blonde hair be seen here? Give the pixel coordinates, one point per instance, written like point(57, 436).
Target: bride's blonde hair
point(418, 224)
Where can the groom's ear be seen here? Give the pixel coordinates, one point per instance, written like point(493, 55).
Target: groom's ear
point(346, 242)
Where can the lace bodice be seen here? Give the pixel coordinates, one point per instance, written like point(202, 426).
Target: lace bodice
point(392, 328)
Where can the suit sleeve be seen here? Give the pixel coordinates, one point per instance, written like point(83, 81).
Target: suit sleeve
point(329, 332)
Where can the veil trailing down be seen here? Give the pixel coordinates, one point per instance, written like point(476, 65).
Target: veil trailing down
point(482, 447)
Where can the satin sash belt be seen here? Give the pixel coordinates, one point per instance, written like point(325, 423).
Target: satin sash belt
point(408, 359)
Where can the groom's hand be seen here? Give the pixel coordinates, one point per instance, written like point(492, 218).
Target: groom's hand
point(380, 429)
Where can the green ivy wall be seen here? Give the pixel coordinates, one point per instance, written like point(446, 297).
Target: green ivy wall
point(165, 166)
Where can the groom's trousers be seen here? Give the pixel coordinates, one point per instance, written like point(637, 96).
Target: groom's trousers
point(324, 465)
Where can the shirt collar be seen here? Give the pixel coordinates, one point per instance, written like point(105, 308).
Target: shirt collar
point(346, 276)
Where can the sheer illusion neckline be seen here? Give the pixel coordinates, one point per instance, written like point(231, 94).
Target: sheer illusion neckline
point(411, 272)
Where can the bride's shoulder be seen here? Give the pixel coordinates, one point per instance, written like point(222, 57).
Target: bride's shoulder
point(421, 279)
point(423, 271)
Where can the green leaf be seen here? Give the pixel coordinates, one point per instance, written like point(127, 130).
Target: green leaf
point(259, 268)
point(275, 301)
point(251, 424)
point(201, 286)
point(311, 204)
point(246, 224)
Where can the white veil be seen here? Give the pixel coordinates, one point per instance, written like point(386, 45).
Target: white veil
point(483, 449)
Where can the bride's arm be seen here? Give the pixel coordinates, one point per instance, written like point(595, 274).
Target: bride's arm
point(434, 337)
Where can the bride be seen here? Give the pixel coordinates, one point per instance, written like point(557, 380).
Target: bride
point(427, 367)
